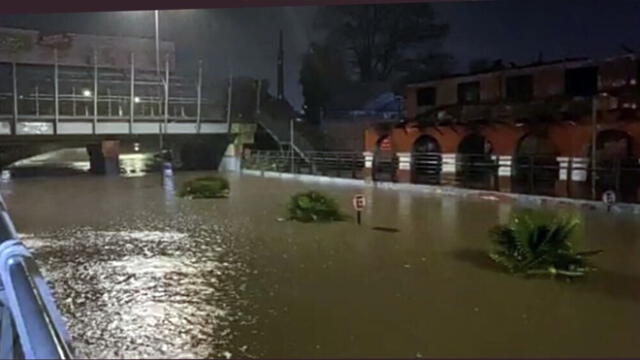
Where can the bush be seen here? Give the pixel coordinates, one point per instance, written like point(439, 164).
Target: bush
point(538, 243)
point(313, 206)
point(205, 188)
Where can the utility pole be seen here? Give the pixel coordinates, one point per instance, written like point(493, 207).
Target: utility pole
point(280, 94)
point(258, 95)
point(229, 94)
point(291, 143)
point(157, 43)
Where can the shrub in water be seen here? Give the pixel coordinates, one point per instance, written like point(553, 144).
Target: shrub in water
point(205, 188)
point(313, 206)
point(537, 243)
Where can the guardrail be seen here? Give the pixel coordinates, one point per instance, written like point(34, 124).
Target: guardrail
point(569, 177)
point(31, 327)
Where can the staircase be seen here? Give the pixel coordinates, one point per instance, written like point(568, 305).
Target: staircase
point(280, 131)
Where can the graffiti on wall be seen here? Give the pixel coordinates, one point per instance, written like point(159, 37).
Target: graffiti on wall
point(15, 43)
point(32, 47)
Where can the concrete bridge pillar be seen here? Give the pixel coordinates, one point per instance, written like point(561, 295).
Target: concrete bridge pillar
point(104, 157)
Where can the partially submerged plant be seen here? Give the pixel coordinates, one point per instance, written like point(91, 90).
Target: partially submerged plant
point(539, 243)
point(207, 187)
point(313, 206)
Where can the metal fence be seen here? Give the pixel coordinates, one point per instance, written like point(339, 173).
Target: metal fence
point(336, 164)
point(534, 175)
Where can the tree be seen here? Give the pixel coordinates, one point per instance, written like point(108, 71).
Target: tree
point(424, 67)
point(322, 72)
point(380, 37)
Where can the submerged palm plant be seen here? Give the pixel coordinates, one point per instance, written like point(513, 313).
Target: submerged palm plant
point(313, 206)
point(207, 187)
point(538, 243)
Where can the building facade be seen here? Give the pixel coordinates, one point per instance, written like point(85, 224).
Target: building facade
point(524, 129)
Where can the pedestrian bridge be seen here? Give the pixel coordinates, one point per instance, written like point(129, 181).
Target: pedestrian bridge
point(76, 125)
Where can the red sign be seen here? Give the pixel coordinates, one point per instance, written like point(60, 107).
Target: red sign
point(359, 202)
point(385, 144)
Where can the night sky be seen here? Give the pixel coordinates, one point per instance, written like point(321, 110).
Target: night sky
point(244, 41)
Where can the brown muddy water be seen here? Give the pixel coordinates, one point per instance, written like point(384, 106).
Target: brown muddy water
point(141, 273)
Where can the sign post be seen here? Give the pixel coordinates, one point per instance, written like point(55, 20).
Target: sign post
point(359, 203)
point(609, 198)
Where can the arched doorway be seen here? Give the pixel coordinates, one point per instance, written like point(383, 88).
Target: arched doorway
point(616, 168)
point(475, 168)
point(535, 166)
point(426, 161)
point(385, 161)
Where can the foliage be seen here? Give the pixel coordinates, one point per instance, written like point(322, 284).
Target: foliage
point(424, 66)
point(207, 187)
point(380, 37)
point(537, 243)
point(313, 206)
point(322, 73)
point(15, 43)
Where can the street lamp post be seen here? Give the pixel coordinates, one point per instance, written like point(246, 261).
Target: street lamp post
point(291, 142)
point(155, 12)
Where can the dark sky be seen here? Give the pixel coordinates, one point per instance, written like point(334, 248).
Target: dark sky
point(245, 40)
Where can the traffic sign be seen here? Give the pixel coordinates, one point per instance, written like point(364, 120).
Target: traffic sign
point(609, 197)
point(359, 202)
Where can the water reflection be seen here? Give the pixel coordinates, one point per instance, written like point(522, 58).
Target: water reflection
point(167, 277)
point(169, 191)
point(76, 161)
point(6, 175)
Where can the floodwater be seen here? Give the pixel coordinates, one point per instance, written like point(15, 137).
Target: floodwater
point(141, 273)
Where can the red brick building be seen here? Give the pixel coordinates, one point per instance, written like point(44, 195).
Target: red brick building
point(519, 128)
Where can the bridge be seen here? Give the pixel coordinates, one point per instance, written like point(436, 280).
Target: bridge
point(107, 94)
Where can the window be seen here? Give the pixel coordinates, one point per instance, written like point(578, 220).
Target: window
point(519, 88)
point(426, 96)
point(469, 93)
point(581, 81)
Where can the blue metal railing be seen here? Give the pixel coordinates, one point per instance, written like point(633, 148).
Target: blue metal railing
point(31, 327)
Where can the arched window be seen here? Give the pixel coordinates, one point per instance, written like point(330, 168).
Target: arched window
point(426, 161)
point(476, 169)
point(535, 165)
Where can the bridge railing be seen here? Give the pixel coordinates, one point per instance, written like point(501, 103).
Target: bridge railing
point(35, 100)
point(31, 327)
